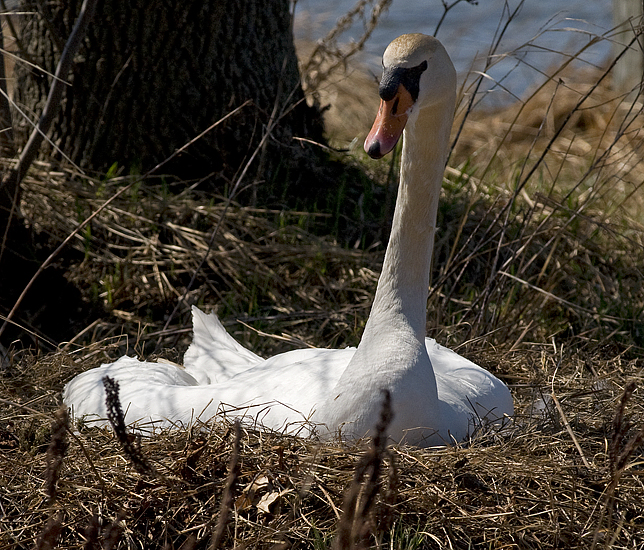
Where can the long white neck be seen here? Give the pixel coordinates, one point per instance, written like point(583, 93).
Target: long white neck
point(401, 296)
point(392, 353)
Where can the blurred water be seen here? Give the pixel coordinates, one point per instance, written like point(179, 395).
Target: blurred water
point(553, 28)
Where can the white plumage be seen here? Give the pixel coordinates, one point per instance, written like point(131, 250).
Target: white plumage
point(437, 395)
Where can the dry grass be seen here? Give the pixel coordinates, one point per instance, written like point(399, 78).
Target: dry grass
point(139, 254)
point(531, 486)
point(557, 180)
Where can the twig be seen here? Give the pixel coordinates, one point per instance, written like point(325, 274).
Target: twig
point(446, 9)
point(14, 34)
point(569, 429)
point(7, 148)
point(353, 525)
point(227, 497)
point(117, 420)
point(56, 451)
point(327, 50)
point(7, 144)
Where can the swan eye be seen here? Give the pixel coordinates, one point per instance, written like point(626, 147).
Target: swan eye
point(394, 109)
point(393, 77)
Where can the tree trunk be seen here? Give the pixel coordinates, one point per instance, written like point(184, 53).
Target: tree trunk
point(152, 75)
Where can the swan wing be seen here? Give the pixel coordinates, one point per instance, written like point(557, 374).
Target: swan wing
point(280, 393)
point(286, 389)
point(85, 394)
point(468, 394)
point(214, 355)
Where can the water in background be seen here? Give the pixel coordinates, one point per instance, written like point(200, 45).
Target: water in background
point(553, 28)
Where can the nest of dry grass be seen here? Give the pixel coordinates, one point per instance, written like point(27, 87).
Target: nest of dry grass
point(566, 474)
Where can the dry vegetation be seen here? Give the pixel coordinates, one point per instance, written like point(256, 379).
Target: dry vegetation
point(562, 475)
point(538, 277)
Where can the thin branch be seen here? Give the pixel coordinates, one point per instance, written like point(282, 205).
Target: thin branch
point(7, 144)
point(55, 94)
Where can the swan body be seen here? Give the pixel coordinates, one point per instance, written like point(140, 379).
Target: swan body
point(438, 396)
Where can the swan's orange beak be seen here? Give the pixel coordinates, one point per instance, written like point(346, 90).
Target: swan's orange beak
point(389, 124)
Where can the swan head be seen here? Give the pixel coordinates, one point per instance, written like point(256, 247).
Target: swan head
point(417, 73)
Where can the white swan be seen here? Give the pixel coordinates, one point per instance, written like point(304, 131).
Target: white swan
point(437, 396)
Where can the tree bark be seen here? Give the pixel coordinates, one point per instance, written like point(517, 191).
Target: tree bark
point(152, 75)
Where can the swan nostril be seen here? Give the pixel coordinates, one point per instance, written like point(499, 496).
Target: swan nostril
point(394, 109)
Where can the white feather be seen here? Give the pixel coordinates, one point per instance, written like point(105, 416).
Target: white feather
point(437, 395)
